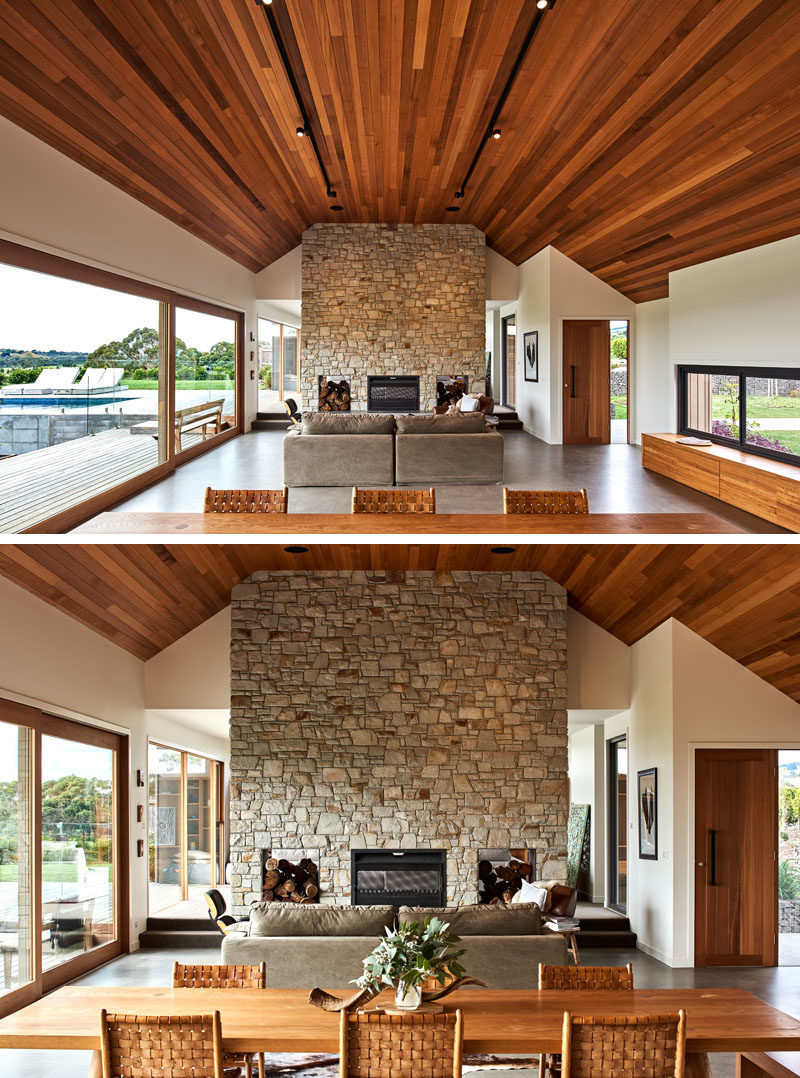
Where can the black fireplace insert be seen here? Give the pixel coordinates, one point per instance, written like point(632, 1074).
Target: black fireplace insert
point(392, 393)
point(398, 878)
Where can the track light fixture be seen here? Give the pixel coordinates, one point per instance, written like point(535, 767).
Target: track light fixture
point(494, 132)
point(304, 129)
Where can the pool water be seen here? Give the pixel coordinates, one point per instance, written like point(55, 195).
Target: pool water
point(57, 404)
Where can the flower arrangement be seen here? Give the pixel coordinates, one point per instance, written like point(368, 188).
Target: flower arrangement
point(408, 956)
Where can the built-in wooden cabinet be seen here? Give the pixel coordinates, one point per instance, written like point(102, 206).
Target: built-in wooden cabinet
point(766, 488)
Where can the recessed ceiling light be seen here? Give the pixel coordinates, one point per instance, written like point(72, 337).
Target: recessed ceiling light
point(504, 550)
point(452, 209)
point(296, 549)
point(337, 208)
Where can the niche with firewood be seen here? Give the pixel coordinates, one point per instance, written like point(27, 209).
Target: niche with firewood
point(501, 874)
point(334, 396)
point(290, 876)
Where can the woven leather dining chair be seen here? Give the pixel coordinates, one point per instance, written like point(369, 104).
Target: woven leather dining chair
point(638, 1046)
point(376, 1045)
point(194, 976)
point(245, 501)
point(394, 501)
point(570, 978)
point(132, 1046)
point(571, 502)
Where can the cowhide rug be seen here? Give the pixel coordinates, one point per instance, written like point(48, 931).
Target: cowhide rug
point(291, 1065)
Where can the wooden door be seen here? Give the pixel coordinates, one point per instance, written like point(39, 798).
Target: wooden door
point(510, 361)
point(736, 866)
point(587, 388)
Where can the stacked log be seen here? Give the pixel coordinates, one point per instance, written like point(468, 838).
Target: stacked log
point(499, 883)
point(287, 882)
point(334, 396)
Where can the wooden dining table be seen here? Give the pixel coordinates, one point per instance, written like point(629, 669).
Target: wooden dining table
point(496, 1021)
point(137, 523)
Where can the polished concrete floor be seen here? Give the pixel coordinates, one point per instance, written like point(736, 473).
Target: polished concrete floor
point(612, 474)
point(779, 986)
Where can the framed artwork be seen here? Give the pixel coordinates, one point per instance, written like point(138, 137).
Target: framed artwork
point(648, 815)
point(531, 355)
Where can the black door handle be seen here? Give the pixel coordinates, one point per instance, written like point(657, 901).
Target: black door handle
point(572, 380)
point(713, 875)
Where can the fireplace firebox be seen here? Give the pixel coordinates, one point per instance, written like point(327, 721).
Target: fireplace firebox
point(398, 878)
point(392, 393)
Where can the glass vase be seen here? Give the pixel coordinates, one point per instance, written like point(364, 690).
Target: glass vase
point(407, 998)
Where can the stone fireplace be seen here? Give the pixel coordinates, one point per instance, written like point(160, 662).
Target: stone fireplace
point(397, 711)
point(392, 393)
point(392, 300)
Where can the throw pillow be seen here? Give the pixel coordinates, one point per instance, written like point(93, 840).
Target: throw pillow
point(468, 403)
point(529, 892)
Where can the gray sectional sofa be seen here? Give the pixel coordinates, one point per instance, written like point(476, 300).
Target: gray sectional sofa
point(310, 946)
point(343, 449)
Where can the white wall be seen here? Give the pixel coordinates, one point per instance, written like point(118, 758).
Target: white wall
point(502, 277)
point(598, 666)
point(51, 661)
point(653, 387)
point(49, 202)
point(283, 279)
point(587, 787)
point(552, 289)
point(195, 671)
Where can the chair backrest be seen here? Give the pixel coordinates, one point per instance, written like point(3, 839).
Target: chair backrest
point(638, 1046)
point(292, 411)
point(563, 978)
point(545, 501)
point(184, 1046)
point(394, 501)
point(376, 1045)
point(215, 903)
point(245, 501)
point(219, 976)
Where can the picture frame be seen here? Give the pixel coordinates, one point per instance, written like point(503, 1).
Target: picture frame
point(647, 807)
point(530, 357)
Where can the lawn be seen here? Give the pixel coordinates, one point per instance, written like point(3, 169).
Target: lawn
point(759, 407)
point(52, 872)
point(622, 407)
point(152, 383)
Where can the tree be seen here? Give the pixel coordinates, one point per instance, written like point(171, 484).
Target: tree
point(619, 348)
point(138, 349)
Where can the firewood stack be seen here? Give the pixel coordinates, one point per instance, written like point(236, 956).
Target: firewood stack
point(499, 883)
point(334, 396)
point(285, 882)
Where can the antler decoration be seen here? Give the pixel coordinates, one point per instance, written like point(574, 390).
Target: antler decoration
point(317, 997)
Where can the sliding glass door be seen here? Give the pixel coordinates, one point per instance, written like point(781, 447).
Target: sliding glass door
point(63, 851)
point(278, 363)
point(185, 826)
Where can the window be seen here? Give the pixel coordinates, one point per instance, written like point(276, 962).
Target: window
point(85, 394)
point(63, 850)
point(755, 409)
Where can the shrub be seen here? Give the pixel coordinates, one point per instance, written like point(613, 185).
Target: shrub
point(788, 881)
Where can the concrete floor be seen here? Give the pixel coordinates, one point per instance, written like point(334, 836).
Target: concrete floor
point(779, 986)
point(612, 475)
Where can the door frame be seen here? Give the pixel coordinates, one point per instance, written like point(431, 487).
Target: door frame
point(612, 870)
point(690, 831)
point(504, 320)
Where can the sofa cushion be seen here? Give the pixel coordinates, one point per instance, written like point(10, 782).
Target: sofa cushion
point(524, 919)
point(458, 423)
point(347, 423)
point(290, 919)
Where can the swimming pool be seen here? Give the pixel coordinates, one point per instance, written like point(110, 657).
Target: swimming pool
point(57, 404)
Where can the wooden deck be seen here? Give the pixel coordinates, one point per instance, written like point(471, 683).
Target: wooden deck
point(36, 485)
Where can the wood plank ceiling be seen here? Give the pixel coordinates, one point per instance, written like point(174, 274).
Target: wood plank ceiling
point(744, 599)
point(639, 137)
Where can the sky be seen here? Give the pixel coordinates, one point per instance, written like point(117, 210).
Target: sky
point(59, 757)
point(39, 313)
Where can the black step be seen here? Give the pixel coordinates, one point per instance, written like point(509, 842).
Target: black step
point(179, 940)
point(620, 941)
point(508, 420)
point(179, 924)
